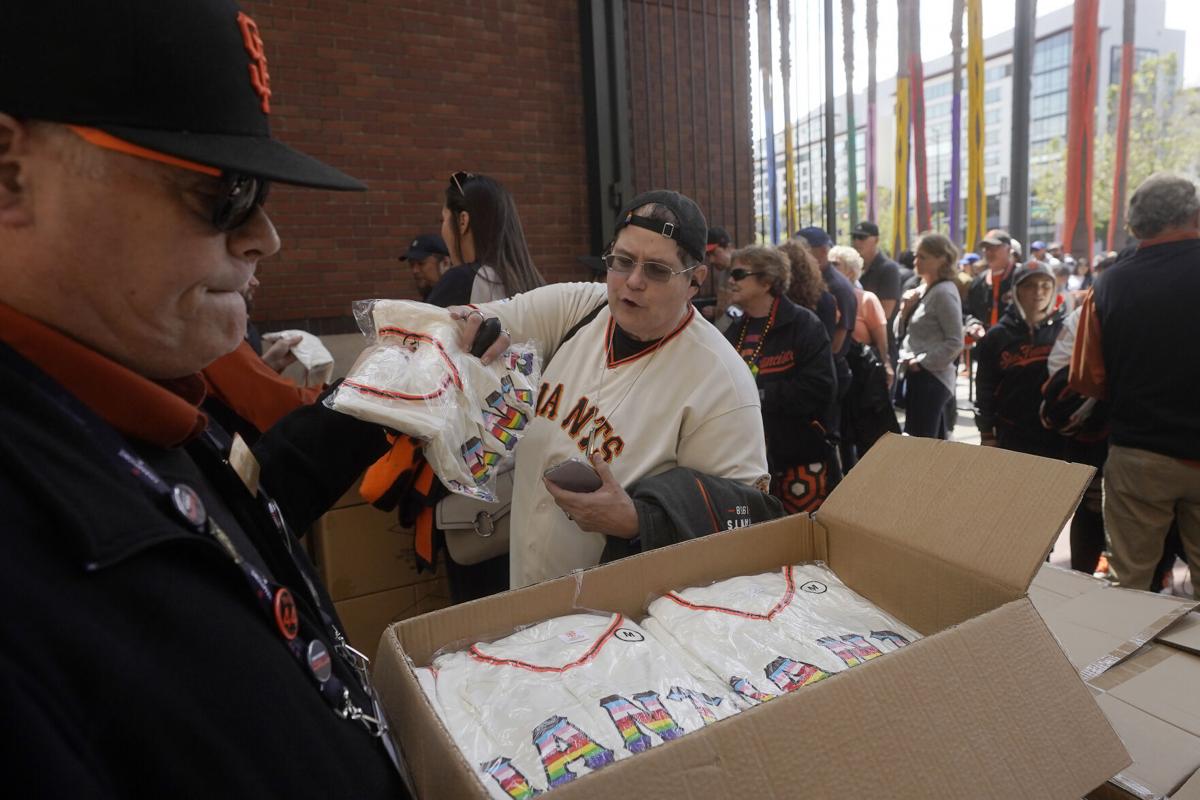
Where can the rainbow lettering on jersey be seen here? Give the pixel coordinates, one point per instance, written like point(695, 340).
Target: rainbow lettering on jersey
point(634, 717)
point(560, 744)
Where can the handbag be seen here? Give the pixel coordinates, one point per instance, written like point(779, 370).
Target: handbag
point(476, 530)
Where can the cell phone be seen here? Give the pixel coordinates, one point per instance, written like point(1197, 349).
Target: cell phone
point(485, 337)
point(574, 476)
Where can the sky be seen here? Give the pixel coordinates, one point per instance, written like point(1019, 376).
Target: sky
point(935, 42)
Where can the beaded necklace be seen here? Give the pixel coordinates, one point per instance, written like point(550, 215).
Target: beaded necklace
point(752, 361)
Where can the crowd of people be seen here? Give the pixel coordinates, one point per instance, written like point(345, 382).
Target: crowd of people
point(169, 635)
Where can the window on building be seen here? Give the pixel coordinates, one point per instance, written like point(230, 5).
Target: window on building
point(993, 95)
point(1139, 58)
point(1054, 80)
point(1052, 52)
point(998, 72)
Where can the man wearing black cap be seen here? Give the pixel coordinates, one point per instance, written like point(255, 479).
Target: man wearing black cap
point(429, 259)
point(880, 275)
point(167, 636)
point(637, 382)
point(991, 292)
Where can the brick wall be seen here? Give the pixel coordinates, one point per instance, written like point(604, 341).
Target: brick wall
point(401, 94)
point(689, 88)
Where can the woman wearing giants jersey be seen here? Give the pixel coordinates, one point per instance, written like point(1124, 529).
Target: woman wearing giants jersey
point(787, 350)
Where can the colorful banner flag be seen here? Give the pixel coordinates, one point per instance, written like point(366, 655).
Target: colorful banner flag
point(791, 206)
point(903, 100)
point(1116, 218)
point(1078, 230)
point(955, 120)
point(851, 137)
point(976, 185)
point(872, 39)
point(917, 86)
point(764, 64)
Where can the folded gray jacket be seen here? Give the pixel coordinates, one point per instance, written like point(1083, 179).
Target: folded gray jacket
point(682, 504)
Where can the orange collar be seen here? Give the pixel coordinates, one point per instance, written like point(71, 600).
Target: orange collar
point(1176, 235)
point(166, 414)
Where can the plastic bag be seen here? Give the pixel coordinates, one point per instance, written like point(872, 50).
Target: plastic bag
point(565, 697)
point(415, 378)
point(770, 634)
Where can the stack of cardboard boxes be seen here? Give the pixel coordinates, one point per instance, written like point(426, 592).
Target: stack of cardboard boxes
point(1138, 654)
point(367, 562)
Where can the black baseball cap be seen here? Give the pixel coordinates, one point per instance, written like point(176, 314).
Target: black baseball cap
point(996, 236)
point(816, 237)
point(717, 237)
point(1028, 271)
point(692, 231)
point(183, 78)
point(424, 246)
point(865, 228)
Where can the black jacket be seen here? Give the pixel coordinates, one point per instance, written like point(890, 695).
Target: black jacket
point(1012, 372)
point(134, 658)
point(796, 385)
point(682, 504)
point(981, 299)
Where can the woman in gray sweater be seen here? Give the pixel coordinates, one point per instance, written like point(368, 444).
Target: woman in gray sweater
point(930, 330)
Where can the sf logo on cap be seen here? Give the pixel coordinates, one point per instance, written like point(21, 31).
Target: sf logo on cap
point(260, 79)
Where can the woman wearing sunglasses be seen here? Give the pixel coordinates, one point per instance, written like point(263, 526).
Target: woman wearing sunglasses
point(483, 232)
point(787, 350)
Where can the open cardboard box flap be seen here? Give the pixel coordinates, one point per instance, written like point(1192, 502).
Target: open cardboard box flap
point(990, 512)
point(986, 706)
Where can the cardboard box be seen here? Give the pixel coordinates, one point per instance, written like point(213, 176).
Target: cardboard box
point(1142, 689)
point(361, 550)
point(986, 706)
point(365, 618)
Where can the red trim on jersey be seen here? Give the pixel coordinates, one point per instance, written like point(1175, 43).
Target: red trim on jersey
point(783, 603)
point(452, 378)
point(591, 653)
point(608, 340)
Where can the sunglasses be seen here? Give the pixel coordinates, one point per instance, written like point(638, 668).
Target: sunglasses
point(740, 274)
point(461, 177)
point(660, 273)
point(240, 194)
point(858, 237)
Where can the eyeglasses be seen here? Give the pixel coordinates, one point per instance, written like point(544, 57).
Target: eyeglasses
point(740, 274)
point(858, 237)
point(653, 270)
point(240, 194)
point(460, 178)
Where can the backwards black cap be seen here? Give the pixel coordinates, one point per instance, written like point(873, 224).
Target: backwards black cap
point(691, 232)
point(185, 78)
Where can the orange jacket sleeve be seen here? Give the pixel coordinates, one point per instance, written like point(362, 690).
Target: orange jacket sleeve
point(244, 382)
point(1087, 375)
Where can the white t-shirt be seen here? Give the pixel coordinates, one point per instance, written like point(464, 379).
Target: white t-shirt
point(689, 403)
point(766, 635)
point(570, 695)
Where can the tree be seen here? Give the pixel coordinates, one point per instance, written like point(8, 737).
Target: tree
point(1162, 137)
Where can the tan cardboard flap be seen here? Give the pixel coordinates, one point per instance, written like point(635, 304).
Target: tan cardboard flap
point(1127, 618)
point(1190, 790)
point(1053, 586)
point(1163, 755)
point(1170, 690)
point(992, 512)
point(989, 710)
point(1184, 634)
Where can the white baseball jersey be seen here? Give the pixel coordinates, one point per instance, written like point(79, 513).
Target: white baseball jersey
point(565, 697)
point(417, 379)
point(765, 635)
point(689, 403)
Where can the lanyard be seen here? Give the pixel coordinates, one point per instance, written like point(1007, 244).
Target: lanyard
point(274, 600)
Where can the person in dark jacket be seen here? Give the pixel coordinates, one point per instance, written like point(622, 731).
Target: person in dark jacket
point(165, 635)
point(786, 348)
point(1012, 368)
point(991, 291)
